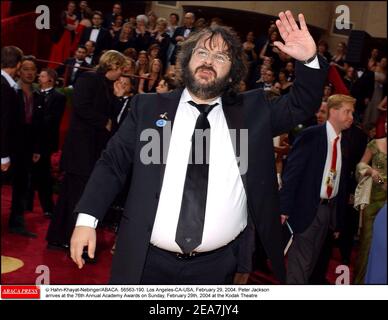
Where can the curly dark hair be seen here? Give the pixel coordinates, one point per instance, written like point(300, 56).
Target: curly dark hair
point(238, 70)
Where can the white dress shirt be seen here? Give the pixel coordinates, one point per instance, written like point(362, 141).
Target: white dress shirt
point(226, 205)
point(45, 90)
point(94, 35)
point(331, 135)
point(226, 211)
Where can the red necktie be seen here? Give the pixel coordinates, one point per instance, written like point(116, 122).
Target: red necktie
point(332, 173)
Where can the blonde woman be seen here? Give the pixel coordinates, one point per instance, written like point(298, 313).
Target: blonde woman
point(155, 75)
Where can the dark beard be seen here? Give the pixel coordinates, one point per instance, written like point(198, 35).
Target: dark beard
point(207, 91)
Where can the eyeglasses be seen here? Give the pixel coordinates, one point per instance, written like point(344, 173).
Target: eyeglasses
point(203, 54)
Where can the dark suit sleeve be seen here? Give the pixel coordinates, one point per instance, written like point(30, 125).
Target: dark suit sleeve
point(107, 41)
point(83, 102)
point(61, 69)
point(303, 100)
point(53, 117)
point(85, 36)
point(5, 120)
point(294, 170)
point(109, 174)
point(177, 32)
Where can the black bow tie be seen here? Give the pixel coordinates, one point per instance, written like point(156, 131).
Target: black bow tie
point(98, 28)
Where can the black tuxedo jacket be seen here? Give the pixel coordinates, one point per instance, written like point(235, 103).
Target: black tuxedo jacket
point(180, 31)
point(29, 137)
point(87, 135)
point(264, 119)
point(11, 119)
point(67, 70)
point(302, 178)
point(51, 108)
point(103, 42)
point(118, 104)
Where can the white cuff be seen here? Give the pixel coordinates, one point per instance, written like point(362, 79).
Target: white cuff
point(86, 220)
point(313, 64)
point(5, 160)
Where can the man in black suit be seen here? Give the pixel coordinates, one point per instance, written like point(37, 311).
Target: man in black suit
point(51, 108)
point(19, 141)
point(122, 105)
point(98, 34)
point(91, 58)
point(182, 33)
point(314, 187)
point(355, 141)
point(269, 78)
point(71, 70)
point(110, 17)
point(156, 244)
point(10, 63)
point(90, 129)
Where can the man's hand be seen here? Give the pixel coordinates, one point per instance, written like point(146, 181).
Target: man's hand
point(5, 166)
point(119, 88)
point(82, 237)
point(298, 43)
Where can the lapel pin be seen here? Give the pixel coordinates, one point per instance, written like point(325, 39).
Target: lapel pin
point(164, 116)
point(161, 123)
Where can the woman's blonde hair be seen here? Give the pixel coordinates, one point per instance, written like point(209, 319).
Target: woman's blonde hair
point(111, 60)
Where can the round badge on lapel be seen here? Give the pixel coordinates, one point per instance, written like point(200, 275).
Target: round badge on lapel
point(161, 123)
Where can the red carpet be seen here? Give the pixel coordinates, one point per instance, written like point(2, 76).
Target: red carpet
point(33, 252)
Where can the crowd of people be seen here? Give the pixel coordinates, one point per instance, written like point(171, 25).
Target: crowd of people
point(110, 59)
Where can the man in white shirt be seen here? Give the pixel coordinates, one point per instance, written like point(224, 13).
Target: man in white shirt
point(98, 34)
point(313, 191)
point(12, 136)
point(11, 58)
point(184, 220)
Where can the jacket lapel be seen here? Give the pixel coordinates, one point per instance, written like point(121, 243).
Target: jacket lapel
point(233, 111)
point(167, 105)
point(321, 158)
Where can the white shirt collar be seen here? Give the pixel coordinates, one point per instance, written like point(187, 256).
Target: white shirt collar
point(331, 134)
point(186, 97)
point(46, 90)
point(9, 79)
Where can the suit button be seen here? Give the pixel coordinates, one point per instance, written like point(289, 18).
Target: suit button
point(157, 195)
